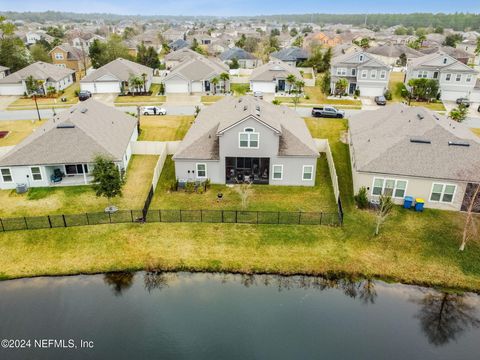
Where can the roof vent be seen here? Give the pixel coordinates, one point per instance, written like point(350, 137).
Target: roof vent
point(65, 126)
point(458, 143)
point(72, 110)
point(420, 141)
point(245, 108)
point(419, 116)
point(84, 110)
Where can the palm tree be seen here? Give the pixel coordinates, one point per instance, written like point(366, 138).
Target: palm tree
point(299, 85)
point(214, 82)
point(144, 77)
point(135, 82)
point(291, 79)
point(224, 77)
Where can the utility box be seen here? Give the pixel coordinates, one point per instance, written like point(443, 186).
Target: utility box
point(407, 202)
point(419, 203)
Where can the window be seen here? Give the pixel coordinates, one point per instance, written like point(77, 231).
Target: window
point(469, 78)
point(364, 74)
point(423, 74)
point(459, 77)
point(361, 58)
point(249, 138)
point(444, 60)
point(373, 74)
point(354, 72)
point(36, 173)
point(341, 71)
point(448, 77)
point(307, 172)
point(435, 74)
point(75, 169)
point(391, 187)
point(383, 74)
point(201, 170)
point(442, 193)
point(59, 56)
point(6, 175)
point(277, 172)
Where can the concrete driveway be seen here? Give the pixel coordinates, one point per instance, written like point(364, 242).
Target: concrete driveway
point(7, 100)
point(183, 99)
point(107, 99)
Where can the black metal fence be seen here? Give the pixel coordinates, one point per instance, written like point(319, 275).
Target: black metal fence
point(140, 216)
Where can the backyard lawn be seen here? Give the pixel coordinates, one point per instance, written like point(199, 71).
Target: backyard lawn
point(476, 131)
point(317, 97)
point(46, 103)
point(153, 99)
point(240, 89)
point(18, 130)
point(80, 199)
point(262, 197)
point(164, 128)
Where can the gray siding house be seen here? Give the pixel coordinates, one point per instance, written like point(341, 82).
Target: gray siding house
point(247, 139)
point(271, 77)
point(400, 150)
point(363, 72)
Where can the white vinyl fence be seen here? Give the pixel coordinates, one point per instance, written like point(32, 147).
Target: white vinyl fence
point(323, 146)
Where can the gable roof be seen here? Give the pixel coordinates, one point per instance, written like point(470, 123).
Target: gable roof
point(353, 59)
point(75, 135)
point(381, 142)
point(4, 68)
point(40, 71)
point(178, 44)
point(290, 54)
point(201, 140)
point(200, 68)
point(274, 69)
point(394, 51)
point(435, 60)
point(73, 53)
point(236, 53)
point(182, 54)
point(121, 68)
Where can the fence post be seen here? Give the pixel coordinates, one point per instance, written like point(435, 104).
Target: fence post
point(236, 216)
point(321, 217)
point(180, 215)
point(1, 222)
point(26, 224)
point(110, 217)
point(278, 217)
point(88, 220)
point(222, 217)
point(49, 221)
point(160, 215)
point(299, 217)
point(131, 215)
point(257, 217)
point(201, 215)
point(64, 221)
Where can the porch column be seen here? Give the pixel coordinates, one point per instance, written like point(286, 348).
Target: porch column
point(84, 174)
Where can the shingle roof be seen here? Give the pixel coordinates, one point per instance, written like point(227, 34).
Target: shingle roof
point(122, 69)
point(3, 68)
point(182, 54)
point(381, 142)
point(178, 44)
point(290, 54)
point(236, 53)
point(354, 59)
point(76, 135)
point(40, 71)
point(435, 60)
point(394, 51)
point(274, 69)
point(201, 141)
point(198, 69)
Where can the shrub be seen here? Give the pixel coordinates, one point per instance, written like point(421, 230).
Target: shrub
point(361, 199)
point(276, 102)
point(174, 185)
point(357, 92)
point(307, 97)
point(207, 184)
point(388, 95)
point(190, 187)
point(200, 189)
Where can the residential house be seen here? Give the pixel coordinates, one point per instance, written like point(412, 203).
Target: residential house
point(322, 38)
point(49, 74)
point(4, 71)
point(362, 71)
point(178, 44)
point(176, 57)
point(173, 34)
point(247, 140)
point(271, 77)
point(62, 151)
point(293, 56)
point(84, 41)
point(194, 75)
point(70, 57)
point(390, 54)
point(411, 151)
point(455, 78)
point(114, 77)
point(345, 48)
point(32, 37)
point(244, 58)
point(456, 53)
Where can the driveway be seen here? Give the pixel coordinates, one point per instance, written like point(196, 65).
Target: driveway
point(107, 99)
point(7, 100)
point(183, 99)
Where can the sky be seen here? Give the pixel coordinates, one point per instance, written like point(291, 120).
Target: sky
point(241, 7)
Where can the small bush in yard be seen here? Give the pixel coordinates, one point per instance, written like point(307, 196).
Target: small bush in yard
point(388, 95)
point(361, 199)
point(190, 187)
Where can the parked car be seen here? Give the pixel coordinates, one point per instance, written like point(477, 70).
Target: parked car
point(84, 95)
point(258, 94)
point(154, 110)
point(463, 101)
point(380, 100)
point(327, 111)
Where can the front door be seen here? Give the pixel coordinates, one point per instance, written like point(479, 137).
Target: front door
point(281, 85)
point(207, 85)
point(352, 88)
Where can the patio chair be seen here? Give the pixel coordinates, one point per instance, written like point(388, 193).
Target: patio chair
point(55, 179)
point(58, 173)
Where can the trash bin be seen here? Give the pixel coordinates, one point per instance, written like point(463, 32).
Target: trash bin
point(407, 202)
point(419, 202)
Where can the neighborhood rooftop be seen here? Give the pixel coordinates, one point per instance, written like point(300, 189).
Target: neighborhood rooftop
point(120, 68)
point(40, 71)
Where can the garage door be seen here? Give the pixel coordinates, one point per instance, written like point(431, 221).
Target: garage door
point(371, 90)
point(263, 86)
point(176, 87)
point(475, 96)
point(452, 95)
point(11, 89)
point(107, 87)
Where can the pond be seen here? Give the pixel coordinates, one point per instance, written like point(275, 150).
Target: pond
point(149, 315)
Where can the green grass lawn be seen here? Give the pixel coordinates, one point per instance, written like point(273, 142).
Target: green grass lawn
point(211, 98)
point(18, 130)
point(315, 96)
point(437, 106)
point(80, 199)
point(164, 128)
point(153, 99)
point(24, 103)
point(240, 89)
point(476, 131)
point(263, 197)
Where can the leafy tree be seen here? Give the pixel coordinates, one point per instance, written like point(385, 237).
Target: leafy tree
point(107, 180)
point(291, 79)
point(361, 199)
point(477, 49)
point(241, 42)
point(102, 53)
point(234, 64)
point(293, 32)
point(341, 86)
point(325, 83)
point(129, 33)
point(459, 113)
point(135, 83)
point(272, 44)
point(97, 52)
point(401, 30)
point(383, 211)
point(147, 56)
point(31, 84)
point(423, 89)
point(307, 29)
point(452, 40)
point(250, 45)
point(298, 41)
point(438, 30)
point(13, 53)
point(274, 32)
point(44, 43)
point(402, 59)
point(55, 32)
point(194, 44)
point(214, 82)
point(39, 53)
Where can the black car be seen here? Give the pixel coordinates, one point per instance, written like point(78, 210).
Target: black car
point(463, 101)
point(380, 100)
point(84, 95)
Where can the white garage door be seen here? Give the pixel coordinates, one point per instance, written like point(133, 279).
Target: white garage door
point(371, 90)
point(11, 89)
point(453, 95)
point(263, 86)
point(197, 87)
point(107, 87)
point(475, 96)
point(176, 87)
point(87, 87)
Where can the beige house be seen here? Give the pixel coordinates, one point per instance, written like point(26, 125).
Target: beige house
point(411, 151)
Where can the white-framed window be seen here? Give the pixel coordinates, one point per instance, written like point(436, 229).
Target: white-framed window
point(277, 172)
point(360, 58)
point(458, 77)
point(307, 172)
point(383, 74)
point(354, 72)
point(341, 71)
point(468, 78)
point(36, 173)
point(442, 192)
point(444, 60)
point(423, 74)
point(6, 175)
point(448, 77)
point(201, 170)
point(391, 187)
point(364, 74)
point(249, 139)
point(58, 56)
point(373, 74)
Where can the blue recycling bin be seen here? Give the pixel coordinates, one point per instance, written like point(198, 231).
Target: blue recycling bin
point(419, 202)
point(407, 202)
